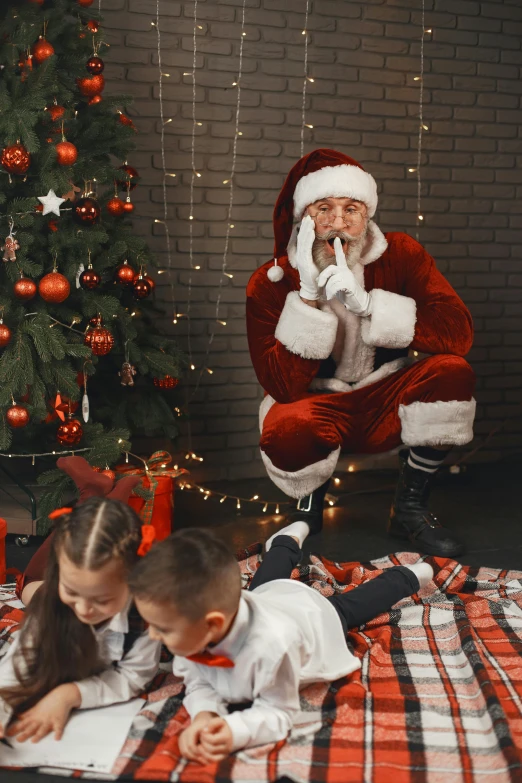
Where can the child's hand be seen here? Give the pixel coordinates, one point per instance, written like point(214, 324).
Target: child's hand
point(189, 738)
point(50, 714)
point(217, 741)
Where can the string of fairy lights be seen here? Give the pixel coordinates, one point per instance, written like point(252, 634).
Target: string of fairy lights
point(423, 127)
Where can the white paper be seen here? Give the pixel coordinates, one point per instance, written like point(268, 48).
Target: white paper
point(92, 741)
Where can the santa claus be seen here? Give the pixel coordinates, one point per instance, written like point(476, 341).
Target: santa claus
point(332, 322)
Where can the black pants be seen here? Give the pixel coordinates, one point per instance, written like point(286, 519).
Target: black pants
point(354, 608)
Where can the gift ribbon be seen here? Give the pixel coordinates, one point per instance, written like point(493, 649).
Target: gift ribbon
point(156, 465)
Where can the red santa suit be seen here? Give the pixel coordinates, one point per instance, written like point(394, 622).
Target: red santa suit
point(335, 381)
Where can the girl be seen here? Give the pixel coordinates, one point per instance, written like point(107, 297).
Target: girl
point(83, 643)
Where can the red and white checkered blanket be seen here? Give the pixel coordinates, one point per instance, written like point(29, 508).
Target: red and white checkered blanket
point(438, 698)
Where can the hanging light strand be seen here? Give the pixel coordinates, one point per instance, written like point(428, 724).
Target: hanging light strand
point(192, 179)
point(163, 160)
point(305, 76)
point(420, 217)
point(230, 181)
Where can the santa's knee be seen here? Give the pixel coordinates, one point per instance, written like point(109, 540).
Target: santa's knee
point(450, 378)
point(296, 439)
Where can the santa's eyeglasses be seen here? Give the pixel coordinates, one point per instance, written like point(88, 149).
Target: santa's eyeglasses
point(326, 216)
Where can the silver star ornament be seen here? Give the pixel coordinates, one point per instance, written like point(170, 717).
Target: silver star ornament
point(51, 203)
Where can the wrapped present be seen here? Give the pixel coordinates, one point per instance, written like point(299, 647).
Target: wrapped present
point(153, 498)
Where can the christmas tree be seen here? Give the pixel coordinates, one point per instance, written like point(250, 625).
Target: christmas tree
point(81, 363)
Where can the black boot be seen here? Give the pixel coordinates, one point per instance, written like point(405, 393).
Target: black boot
point(411, 519)
point(310, 509)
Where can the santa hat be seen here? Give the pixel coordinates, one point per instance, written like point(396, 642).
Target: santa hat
point(320, 174)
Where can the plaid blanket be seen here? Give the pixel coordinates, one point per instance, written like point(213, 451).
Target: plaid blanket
point(438, 697)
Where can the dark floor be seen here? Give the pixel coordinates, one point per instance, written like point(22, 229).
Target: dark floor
point(482, 506)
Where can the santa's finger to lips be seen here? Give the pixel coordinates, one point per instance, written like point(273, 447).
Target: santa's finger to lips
point(340, 258)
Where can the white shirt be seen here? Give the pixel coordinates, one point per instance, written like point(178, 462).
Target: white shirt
point(119, 682)
point(284, 636)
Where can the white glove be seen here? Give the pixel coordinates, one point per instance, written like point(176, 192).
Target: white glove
point(308, 272)
point(340, 280)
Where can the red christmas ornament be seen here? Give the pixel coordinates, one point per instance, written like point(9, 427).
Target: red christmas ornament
point(109, 473)
point(125, 274)
point(15, 159)
point(89, 279)
point(115, 206)
point(24, 289)
point(66, 153)
point(56, 112)
point(69, 433)
point(95, 65)
point(149, 280)
point(54, 288)
point(93, 26)
point(126, 120)
point(5, 334)
point(17, 416)
point(38, 208)
point(85, 3)
point(42, 50)
point(52, 225)
point(99, 339)
point(128, 206)
point(86, 211)
point(130, 182)
point(140, 288)
point(167, 382)
point(94, 100)
point(91, 86)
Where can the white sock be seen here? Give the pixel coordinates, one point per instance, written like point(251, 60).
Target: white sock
point(423, 572)
point(299, 530)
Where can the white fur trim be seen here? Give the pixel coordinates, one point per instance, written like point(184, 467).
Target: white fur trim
point(353, 357)
point(437, 423)
point(342, 181)
point(304, 330)
point(384, 370)
point(375, 245)
point(302, 482)
point(265, 406)
point(331, 385)
point(392, 322)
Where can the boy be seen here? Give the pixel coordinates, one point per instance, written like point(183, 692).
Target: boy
point(259, 647)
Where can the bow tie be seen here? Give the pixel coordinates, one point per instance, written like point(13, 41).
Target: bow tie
point(209, 659)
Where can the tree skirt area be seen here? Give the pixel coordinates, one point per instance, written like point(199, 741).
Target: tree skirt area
point(438, 697)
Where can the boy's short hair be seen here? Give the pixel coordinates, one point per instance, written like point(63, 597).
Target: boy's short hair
point(192, 570)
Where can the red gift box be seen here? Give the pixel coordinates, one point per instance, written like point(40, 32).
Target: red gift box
point(157, 483)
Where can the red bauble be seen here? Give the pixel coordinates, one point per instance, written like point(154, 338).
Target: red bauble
point(140, 288)
point(99, 339)
point(109, 473)
point(66, 153)
point(94, 100)
point(95, 65)
point(15, 159)
point(93, 26)
point(5, 335)
point(115, 206)
point(90, 279)
point(125, 274)
point(38, 208)
point(128, 206)
point(42, 50)
point(85, 3)
point(24, 289)
point(86, 211)
point(126, 120)
point(130, 182)
point(91, 86)
point(56, 112)
point(17, 416)
point(52, 225)
point(54, 288)
point(149, 280)
point(167, 382)
point(69, 433)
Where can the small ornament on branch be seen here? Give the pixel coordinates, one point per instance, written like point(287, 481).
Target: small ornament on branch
point(109, 473)
point(124, 120)
point(71, 194)
point(85, 399)
point(128, 371)
point(148, 278)
point(5, 334)
point(131, 178)
point(42, 50)
point(10, 245)
point(95, 65)
point(55, 112)
point(54, 287)
point(94, 100)
point(87, 211)
point(125, 274)
point(51, 203)
point(115, 206)
point(140, 287)
point(66, 153)
point(89, 278)
point(17, 416)
point(91, 86)
point(167, 382)
point(70, 432)
point(128, 206)
point(99, 339)
point(15, 158)
point(25, 288)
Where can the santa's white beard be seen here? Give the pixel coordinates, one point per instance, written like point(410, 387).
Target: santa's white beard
point(352, 249)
